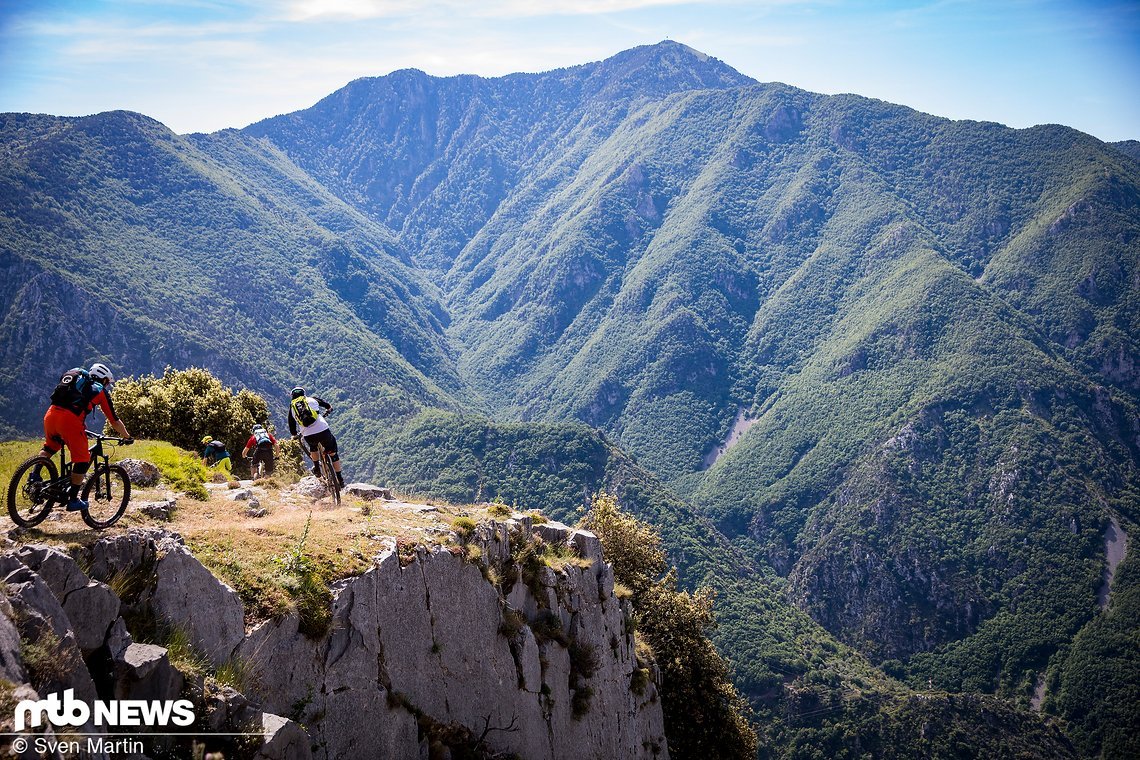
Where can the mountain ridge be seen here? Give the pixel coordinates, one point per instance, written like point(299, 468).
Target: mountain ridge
point(933, 323)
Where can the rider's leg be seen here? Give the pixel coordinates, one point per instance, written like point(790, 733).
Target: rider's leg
point(78, 470)
point(61, 427)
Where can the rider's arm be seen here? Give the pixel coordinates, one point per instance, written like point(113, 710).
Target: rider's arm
point(322, 403)
point(292, 423)
point(103, 401)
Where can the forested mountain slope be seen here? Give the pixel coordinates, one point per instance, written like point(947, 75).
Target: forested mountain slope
point(125, 241)
point(928, 327)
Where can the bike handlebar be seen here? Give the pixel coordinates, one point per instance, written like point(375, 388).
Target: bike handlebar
point(111, 438)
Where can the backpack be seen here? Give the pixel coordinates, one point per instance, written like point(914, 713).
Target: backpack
point(216, 450)
point(75, 390)
point(303, 412)
point(261, 438)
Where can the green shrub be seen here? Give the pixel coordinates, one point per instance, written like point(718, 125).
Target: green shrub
point(307, 584)
point(180, 469)
point(704, 714)
point(182, 406)
point(463, 527)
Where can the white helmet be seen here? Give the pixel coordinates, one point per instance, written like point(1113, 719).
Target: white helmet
point(100, 373)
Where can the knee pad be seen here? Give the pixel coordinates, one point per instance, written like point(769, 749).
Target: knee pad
point(80, 467)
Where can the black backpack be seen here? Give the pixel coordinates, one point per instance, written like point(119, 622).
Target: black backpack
point(75, 390)
point(303, 412)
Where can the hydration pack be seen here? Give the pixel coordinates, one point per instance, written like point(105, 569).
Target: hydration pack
point(303, 412)
point(261, 438)
point(75, 391)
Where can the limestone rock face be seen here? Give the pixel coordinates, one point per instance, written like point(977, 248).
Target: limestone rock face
point(431, 639)
point(425, 655)
point(61, 630)
point(187, 595)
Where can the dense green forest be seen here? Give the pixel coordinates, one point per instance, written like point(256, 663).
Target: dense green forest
point(535, 287)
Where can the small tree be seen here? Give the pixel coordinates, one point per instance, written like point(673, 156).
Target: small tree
point(705, 716)
point(182, 406)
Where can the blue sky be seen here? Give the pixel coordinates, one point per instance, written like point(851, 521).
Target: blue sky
point(203, 65)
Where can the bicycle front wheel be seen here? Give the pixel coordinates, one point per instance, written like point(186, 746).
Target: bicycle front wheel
point(31, 492)
point(106, 493)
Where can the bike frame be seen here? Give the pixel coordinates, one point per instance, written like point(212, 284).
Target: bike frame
point(57, 489)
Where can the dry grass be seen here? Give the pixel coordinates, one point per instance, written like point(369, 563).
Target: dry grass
point(243, 551)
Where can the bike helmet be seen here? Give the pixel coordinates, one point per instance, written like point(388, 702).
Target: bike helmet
point(207, 439)
point(100, 373)
point(257, 428)
point(297, 392)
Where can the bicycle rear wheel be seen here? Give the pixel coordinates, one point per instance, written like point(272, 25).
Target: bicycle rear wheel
point(331, 480)
point(106, 493)
point(30, 500)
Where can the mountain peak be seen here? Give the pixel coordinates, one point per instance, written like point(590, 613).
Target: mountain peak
point(675, 65)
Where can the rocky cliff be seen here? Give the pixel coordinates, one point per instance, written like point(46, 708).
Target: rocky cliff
point(468, 650)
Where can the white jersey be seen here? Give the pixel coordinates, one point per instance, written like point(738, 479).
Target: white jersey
point(317, 426)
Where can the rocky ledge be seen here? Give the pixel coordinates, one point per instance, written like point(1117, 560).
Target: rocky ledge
point(480, 648)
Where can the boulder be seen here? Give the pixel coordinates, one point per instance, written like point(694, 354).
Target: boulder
point(59, 571)
point(52, 653)
point(311, 487)
point(143, 671)
point(159, 510)
point(240, 494)
point(255, 511)
point(588, 545)
point(91, 609)
point(141, 472)
point(115, 557)
point(118, 639)
point(553, 532)
point(11, 667)
point(368, 492)
point(282, 739)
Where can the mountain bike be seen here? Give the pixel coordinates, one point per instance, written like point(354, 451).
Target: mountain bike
point(325, 465)
point(38, 485)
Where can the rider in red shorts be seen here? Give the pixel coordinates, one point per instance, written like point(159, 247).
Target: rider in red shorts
point(78, 393)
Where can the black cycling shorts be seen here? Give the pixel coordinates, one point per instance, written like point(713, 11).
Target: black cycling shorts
point(325, 438)
point(264, 455)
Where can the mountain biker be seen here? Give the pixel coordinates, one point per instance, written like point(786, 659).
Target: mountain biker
point(264, 446)
point(305, 418)
point(215, 455)
point(76, 395)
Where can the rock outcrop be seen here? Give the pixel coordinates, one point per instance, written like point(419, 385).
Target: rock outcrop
point(424, 649)
point(64, 632)
point(493, 645)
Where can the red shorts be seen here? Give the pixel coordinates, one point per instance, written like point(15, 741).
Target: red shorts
point(69, 427)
